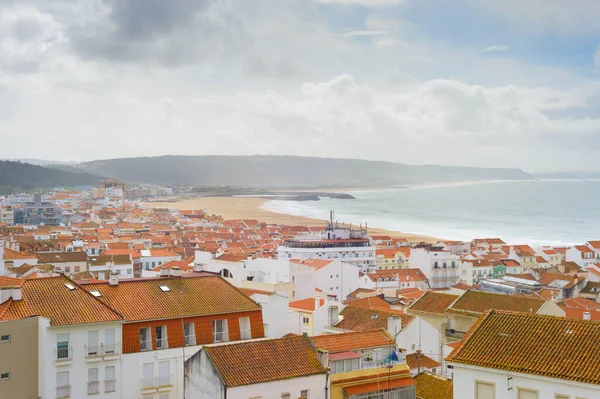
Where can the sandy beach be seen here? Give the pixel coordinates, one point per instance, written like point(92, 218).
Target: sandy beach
point(251, 208)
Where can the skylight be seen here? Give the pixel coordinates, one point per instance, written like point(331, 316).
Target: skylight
point(70, 286)
point(97, 294)
point(164, 288)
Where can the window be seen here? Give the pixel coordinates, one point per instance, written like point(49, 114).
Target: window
point(245, 332)
point(5, 338)
point(63, 388)
point(92, 345)
point(164, 373)
point(110, 379)
point(109, 341)
point(145, 343)
point(305, 320)
point(561, 396)
point(5, 376)
point(413, 347)
point(524, 393)
point(220, 331)
point(153, 265)
point(128, 271)
point(189, 333)
point(285, 395)
point(161, 337)
point(485, 390)
point(67, 269)
point(147, 375)
point(62, 346)
point(77, 269)
point(304, 393)
point(93, 383)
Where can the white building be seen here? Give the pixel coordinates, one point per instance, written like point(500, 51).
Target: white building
point(282, 368)
point(150, 258)
point(559, 361)
point(278, 318)
point(314, 314)
point(78, 340)
point(334, 278)
point(350, 246)
point(582, 255)
point(443, 268)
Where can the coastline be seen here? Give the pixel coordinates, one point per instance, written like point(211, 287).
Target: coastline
point(252, 208)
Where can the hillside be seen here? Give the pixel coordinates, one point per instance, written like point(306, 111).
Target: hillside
point(286, 171)
point(17, 177)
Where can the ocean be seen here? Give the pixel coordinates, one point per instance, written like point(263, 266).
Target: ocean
point(553, 212)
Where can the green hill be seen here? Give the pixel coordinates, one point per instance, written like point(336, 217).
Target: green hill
point(286, 171)
point(17, 177)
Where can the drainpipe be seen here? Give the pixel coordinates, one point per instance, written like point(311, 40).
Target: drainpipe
point(326, 385)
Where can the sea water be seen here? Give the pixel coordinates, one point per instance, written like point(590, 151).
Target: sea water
point(528, 212)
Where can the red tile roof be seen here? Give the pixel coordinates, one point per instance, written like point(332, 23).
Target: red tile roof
point(307, 304)
point(49, 297)
point(353, 341)
point(529, 342)
point(256, 362)
point(433, 302)
point(431, 386)
point(362, 319)
point(414, 360)
point(318, 264)
point(143, 299)
point(477, 302)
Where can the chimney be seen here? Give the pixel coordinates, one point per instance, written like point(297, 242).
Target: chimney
point(394, 325)
point(199, 267)
point(175, 271)
point(164, 271)
point(587, 316)
point(113, 279)
point(317, 303)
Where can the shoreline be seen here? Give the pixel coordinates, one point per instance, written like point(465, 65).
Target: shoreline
point(252, 208)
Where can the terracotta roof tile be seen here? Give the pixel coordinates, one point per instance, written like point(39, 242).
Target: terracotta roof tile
point(530, 342)
point(431, 386)
point(352, 341)
point(49, 297)
point(477, 302)
point(433, 302)
point(262, 361)
point(307, 304)
point(143, 299)
point(362, 319)
point(412, 359)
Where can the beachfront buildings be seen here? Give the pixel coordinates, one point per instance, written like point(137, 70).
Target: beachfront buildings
point(334, 278)
point(442, 268)
point(345, 244)
point(502, 357)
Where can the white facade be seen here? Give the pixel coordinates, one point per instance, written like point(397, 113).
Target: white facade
point(278, 318)
point(583, 259)
point(2, 267)
point(337, 279)
point(69, 355)
point(362, 256)
point(421, 335)
point(442, 268)
point(523, 386)
point(149, 261)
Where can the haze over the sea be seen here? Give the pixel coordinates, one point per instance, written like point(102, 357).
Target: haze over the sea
point(533, 212)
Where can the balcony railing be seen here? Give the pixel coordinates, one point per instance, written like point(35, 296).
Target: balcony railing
point(146, 345)
point(93, 387)
point(92, 351)
point(109, 349)
point(110, 385)
point(162, 343)
point(63, 391)
point(64, 354)
point(190, 340)
point(156, 381)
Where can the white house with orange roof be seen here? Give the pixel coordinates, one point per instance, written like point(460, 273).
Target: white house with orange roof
point(595, 246)
point(583, 255)
point(278, 318)
point(150, 258)
point(335, 278)
point(14, 258)
point(442, 268)
point(314, 314)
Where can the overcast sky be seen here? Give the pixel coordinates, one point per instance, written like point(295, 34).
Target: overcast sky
point(509, 83)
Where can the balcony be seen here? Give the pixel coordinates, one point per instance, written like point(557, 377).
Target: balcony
point(110, 385)
point(93, 387)
point(146, 345)
point(102, 352)
point(157, 383)
point(190, 340)
point(63, 391)
point(162, 343)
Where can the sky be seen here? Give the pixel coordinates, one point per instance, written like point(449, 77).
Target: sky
point(494, 83)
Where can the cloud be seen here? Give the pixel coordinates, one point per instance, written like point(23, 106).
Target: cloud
point(496, 49)
point(597, 56)
point(365, 3)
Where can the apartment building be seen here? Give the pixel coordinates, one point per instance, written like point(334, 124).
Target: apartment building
point(168, 319)
point(74, 336)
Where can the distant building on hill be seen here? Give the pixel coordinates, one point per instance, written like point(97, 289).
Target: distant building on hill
point(42, 213)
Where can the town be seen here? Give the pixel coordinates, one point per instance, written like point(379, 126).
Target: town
point(102, 295)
